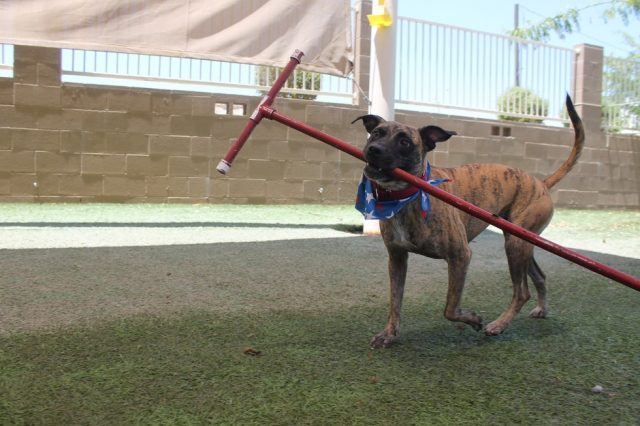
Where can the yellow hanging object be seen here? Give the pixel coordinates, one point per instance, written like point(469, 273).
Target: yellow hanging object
point(380, 17)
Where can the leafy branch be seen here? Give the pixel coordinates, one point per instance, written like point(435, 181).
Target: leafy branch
point(569, 21)
point(562, 24)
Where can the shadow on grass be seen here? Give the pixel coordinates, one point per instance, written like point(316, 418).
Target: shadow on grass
point(171, 349)
point(316, 368)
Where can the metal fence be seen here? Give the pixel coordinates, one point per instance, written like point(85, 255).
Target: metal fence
point(166, 72)
point(447, 69)
point(440, 68)
point(621, 95)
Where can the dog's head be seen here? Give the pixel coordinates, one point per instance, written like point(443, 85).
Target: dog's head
point(392, 145)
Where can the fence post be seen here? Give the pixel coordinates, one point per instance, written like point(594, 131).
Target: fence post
point(587, 87)
point(383, 65)
point(37, 65)
point(362, 54)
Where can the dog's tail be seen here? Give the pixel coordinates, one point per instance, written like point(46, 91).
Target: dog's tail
point(575, 151)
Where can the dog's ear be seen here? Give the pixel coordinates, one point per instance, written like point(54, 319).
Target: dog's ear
point(432, 134)
point(370, 121)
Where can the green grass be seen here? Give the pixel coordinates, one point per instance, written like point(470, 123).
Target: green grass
point(316, 369)
point(311, 318)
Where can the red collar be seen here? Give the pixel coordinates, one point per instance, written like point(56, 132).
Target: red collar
point(389, 195)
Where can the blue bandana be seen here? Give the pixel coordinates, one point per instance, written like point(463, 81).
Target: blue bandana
point(393, 201)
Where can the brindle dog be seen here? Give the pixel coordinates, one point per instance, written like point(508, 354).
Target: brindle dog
point(502, 190)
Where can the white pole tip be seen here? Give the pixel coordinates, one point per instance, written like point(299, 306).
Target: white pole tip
point(223, 167)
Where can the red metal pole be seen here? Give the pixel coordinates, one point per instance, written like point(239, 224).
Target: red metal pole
point(626, 279)
point(225, 164)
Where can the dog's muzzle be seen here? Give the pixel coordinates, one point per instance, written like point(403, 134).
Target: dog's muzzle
point(377, 156)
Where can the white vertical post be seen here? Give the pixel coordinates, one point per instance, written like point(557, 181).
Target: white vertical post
point(383, 74)
point(383, 65)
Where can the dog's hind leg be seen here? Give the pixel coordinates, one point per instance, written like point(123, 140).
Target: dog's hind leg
point(398, 261)
point(458, 266)
point(519, 256)
point(538, 277)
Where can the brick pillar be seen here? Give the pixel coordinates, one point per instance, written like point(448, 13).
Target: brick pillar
point(36, 72)
point(362, 53)
point(37, 65)
point(587, 82)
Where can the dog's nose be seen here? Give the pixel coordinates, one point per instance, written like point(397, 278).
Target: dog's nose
point(374, 151)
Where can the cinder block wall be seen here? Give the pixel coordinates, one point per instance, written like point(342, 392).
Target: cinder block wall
point(67, 142)
point(607, 174)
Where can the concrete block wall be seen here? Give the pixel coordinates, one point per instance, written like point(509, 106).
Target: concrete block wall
point(75, 143)
point(607, 174)
point(68, 142)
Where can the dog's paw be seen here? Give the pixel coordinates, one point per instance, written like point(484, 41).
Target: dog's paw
point(494, 328)
point(477, 326)
point(538, 312)
point(382, 340)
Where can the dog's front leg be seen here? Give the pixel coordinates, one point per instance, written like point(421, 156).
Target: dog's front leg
point(458, 266)
point(398, 260)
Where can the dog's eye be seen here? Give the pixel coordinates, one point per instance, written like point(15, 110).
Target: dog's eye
point(376, 133)
point(405, 142)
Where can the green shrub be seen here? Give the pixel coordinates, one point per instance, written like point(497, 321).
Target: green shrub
point(518, 100)
point(266, 76)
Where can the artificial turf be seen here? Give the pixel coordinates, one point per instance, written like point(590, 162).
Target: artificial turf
point(277, 333)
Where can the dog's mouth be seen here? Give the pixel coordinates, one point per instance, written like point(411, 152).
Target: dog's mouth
point(376, 173)
point(383, 178)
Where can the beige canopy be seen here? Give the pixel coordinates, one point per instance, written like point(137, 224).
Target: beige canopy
point(262, 32)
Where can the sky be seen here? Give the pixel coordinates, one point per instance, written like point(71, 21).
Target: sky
point(497, 16)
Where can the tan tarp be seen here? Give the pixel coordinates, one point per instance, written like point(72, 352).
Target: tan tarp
point(262, 32)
